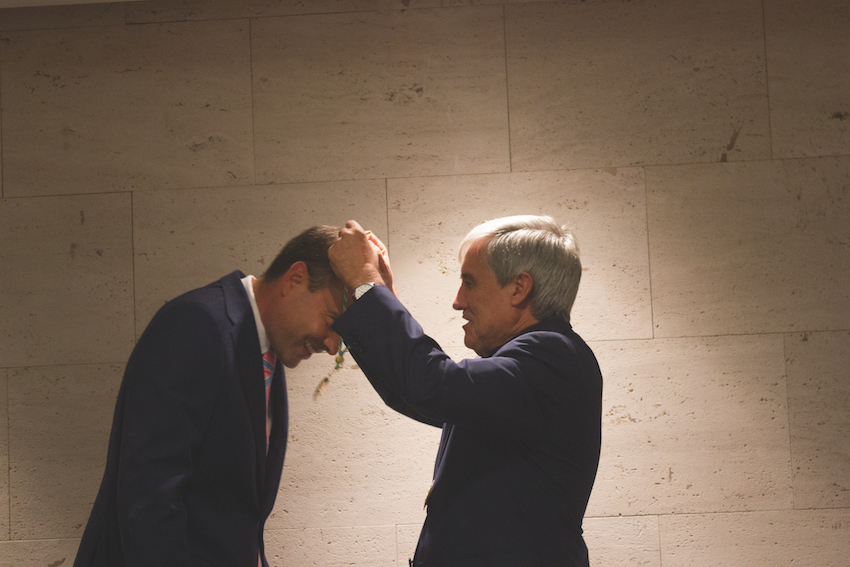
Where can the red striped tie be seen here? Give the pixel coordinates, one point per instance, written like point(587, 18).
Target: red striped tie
point(269, 361)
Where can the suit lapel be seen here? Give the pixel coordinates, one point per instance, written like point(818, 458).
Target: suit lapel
point(250, 365)
point(251, 377)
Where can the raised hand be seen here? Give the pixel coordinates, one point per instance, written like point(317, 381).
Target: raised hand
point(356, 257)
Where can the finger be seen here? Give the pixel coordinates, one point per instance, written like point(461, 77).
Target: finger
point(354, 225)
point(377, 242)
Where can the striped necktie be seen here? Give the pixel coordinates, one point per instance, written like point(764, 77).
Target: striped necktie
point(269, 361)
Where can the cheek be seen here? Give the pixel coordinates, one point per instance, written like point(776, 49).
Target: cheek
point(479, 322)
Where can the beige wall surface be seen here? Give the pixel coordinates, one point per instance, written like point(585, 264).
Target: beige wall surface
point(700, 151)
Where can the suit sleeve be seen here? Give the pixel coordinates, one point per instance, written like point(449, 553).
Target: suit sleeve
point(171, 382)
point(376, 375)
point(414, 376)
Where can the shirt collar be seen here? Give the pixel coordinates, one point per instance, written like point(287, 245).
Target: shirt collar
point(248, 283)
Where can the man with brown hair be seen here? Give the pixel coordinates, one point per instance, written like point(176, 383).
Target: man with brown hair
point(199, 434)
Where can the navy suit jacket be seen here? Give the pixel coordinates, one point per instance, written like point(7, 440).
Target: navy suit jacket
point(521, 435)
point(188, 480)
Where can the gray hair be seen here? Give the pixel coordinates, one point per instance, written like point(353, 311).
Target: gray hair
point(539, 246)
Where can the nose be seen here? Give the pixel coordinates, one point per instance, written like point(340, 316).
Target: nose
point(332, 343)
point(460, 301)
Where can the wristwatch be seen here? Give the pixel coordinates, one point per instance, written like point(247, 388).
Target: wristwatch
point(361, 289)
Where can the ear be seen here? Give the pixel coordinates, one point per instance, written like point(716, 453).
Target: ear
point(523, 285)
point(296, 275)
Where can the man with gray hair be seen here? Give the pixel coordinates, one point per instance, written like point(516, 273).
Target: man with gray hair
point(521, 423)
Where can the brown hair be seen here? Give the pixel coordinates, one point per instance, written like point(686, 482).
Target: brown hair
point(310, 247)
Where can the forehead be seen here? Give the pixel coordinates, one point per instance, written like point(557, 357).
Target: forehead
point(475, 260)
point(329, 300)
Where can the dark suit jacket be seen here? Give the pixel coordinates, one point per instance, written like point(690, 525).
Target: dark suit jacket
point(521, 435)
point(187, 478)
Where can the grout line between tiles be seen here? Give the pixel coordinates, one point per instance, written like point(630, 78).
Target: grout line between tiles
point(671, 514)
point(660, 549)
point(251, 94)
point(2, 169)
point(507, 87)
point(720, 335)
point(8, 427)
point(785, 337)
point(648, 254)
point(767, 80)
point(133, 259)
point(387, 211)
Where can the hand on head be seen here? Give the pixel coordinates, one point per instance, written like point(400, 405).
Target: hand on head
point(359, 257)
point(383, 261)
